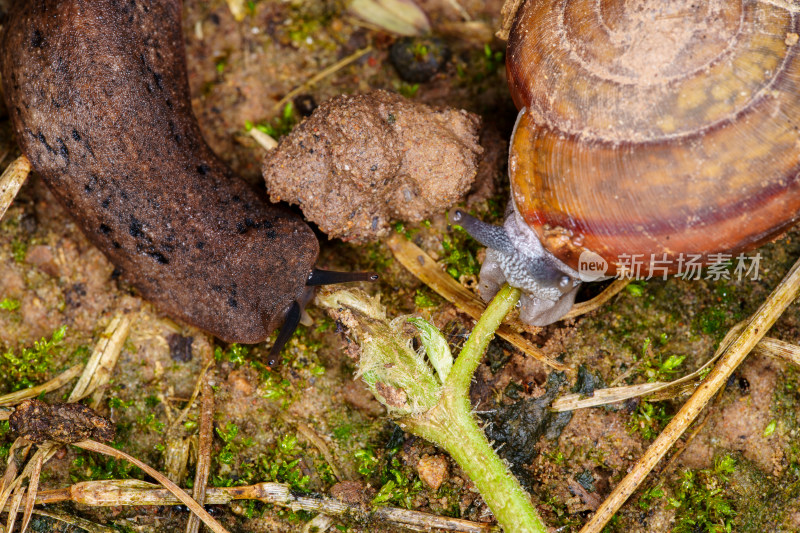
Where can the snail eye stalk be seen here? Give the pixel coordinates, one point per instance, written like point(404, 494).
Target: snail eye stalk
point(491, 236)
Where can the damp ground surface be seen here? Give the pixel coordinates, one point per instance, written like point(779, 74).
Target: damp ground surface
point(737, 469)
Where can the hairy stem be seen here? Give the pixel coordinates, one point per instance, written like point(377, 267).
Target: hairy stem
point(452, 426)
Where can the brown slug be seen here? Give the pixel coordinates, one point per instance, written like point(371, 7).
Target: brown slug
point(650, 129)
point(98, 94)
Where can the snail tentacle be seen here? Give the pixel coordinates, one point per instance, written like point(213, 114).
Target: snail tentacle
point(549, 286)
point(488, 235)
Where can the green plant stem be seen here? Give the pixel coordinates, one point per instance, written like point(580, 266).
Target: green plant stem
point(472, 353)
point(452, 426)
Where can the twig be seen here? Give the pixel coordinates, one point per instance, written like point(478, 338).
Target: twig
point(11, 181)
point(585, 307)
point(419, 263)
point(209, 520)
point(59, 381)
point(206, 437)
point(757, 326)
point(322, 74)
point(118, 492)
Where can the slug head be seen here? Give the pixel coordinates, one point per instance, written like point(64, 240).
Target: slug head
point(294, 312)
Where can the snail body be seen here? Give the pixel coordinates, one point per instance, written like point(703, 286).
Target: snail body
point(99, 99)
point(651, 130)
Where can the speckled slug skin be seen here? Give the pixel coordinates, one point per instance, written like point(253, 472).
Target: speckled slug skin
point(652, 127)
point(98, 94)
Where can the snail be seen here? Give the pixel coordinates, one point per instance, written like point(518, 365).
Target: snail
point(98, 95)
point(648, 129)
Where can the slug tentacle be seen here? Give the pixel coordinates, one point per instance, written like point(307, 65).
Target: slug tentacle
point(328, 277)
point(290, 324)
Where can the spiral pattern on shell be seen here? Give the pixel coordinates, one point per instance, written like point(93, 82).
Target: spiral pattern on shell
point(651, 127)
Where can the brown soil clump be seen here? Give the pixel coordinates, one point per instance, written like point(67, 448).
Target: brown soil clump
point(361, 162)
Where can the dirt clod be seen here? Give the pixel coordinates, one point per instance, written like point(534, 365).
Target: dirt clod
point(60, 422)
point(352, 492)
point(361, 162)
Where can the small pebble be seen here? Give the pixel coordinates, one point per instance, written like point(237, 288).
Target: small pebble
point(433, 470)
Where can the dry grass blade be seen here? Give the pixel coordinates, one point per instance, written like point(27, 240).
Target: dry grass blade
point(33, 488)
point(585, 307)
point(76, 521)
point(237, 8)
point(318, 443)
point(266, 141)
point(14, 504)
point(59, 381)
point(206, 436)
point(198, 386)
point(176, 458)
point(783, 295)
point(103, 359)
point(318, 524)
point(321, 75)
point(658, 390)
point(14, 487)
point(402, 17)
point(419, 263)
point(16, 457)
point(135, 492)
point(779, 350)
point(11, 181)
point(207, 519)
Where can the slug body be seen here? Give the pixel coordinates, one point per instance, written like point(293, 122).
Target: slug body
point(651, 130)
point(99, 98)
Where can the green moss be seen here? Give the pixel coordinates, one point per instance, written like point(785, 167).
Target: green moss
point(399, 485)
point(235, 354)
point(409, 90)
point(482, 65)
point(649, 419)
point(18, 250)
point(425, 298)
point(277, 127)
point(701, 500)
point(281, 463)
point(9, 304)
point(649, 496)
point(460, 252)
point(88, 466)
point(31, 365)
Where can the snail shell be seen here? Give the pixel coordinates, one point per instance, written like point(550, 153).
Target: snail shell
point(651, 127)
